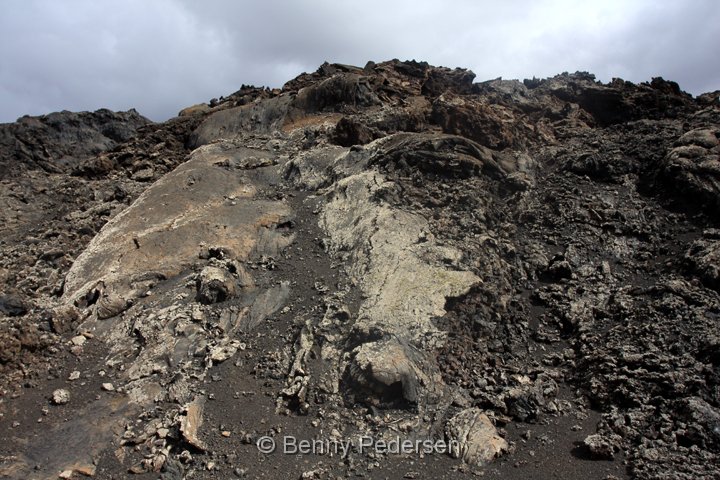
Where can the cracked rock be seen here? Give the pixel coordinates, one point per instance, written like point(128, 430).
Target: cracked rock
point(215, 285)
point(192, 420)
point(391, 369)
point(473, 437)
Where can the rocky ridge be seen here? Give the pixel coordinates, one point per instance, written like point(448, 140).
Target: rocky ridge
point(526, 268)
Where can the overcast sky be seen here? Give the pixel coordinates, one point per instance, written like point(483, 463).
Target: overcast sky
point(160, 56)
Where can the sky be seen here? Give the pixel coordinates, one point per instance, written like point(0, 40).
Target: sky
point(159, 56)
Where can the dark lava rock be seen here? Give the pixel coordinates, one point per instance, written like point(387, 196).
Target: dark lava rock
point(57, 142)
point(690, 172)
point(451, 156)
point(599, 447)
point(340, 90)
point(704, 259)
point(349, 132)
point(12, 305)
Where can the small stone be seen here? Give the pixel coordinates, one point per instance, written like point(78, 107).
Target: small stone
point(605, 268)
point(108, 387)
point(185, 457)
point(600, 447)
point(143, 175)
point(320, 287)
point(66, 474)
point(86, 470)
point(74, 375)
point(220, 353)
point(61, 396)
point(225, 433)
point(79, 340)
point(197, 314)
point(163, 432)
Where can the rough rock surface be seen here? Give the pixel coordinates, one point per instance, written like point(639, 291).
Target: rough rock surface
point(58, 142)
point(527, 271)
point(477, 440)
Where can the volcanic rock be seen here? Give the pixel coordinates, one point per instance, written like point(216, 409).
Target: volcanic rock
point(60, 397)
point(388, 250)
point(473, 437)
point(59, 141)
point(599, 447)
point(215, 285)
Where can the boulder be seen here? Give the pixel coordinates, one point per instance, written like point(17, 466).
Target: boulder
point(600, 447)
point(473, 437)
point(215, 285)
point(392, 370)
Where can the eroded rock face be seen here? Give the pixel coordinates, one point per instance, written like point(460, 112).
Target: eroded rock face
point(162, 233)
point(260, 117)
point(341, 89)
point(691, 170)
point(379, 250)
point(59, 141)
point(490, 125)
point(392, 260)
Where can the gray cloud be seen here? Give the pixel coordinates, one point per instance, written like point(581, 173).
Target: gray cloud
point(163, 55)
